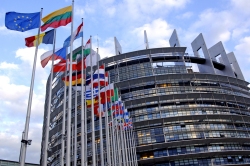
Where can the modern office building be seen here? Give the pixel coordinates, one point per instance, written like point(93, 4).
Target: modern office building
point(187, 109)
point(14, 163)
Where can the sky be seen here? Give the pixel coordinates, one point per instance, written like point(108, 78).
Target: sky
point(218, 20)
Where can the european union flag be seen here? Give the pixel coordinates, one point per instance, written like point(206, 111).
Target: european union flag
point(22, 21)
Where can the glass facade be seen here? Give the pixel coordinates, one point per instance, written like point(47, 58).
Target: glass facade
point(180, 117)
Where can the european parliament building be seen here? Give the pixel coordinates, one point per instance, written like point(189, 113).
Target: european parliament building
point(187, 109)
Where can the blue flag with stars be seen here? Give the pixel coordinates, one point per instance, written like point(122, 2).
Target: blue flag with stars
point(22, 21)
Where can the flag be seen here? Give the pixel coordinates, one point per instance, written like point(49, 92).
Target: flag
point(87, 48)
point(86, 60)
point(61, 66)
point(76, 34)
point(76, 55)
point(115, 97)
point(59, 54)
point(95, 58)
point(22, 21)
point(76, 79)
point(46, 38)
point(128, 124)
point(107, 91)
point(103, 78)
point(57, 18)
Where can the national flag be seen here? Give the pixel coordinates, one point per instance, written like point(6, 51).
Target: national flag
point(106, 94)
point(46, 38)
point(128, 124)
point(76, 79)
point(87, 48)
point(115, 97)
point(95, 58)
point(103, 78)
point(59, 54)
point(88, 102)
point(107, 91)
point(61, 66)
point(22, 21)
point(76, 34)
point(57, 18)
point(77, 54)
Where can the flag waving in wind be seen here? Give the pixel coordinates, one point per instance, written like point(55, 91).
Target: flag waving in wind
point(22, 21)
point(46, 38)
point(47, 56)
point(76, 34)
point(57, 18)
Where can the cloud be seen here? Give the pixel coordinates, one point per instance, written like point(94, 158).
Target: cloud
point(5, 65)
point(14, 90)
point(185, 15)
point(241, 6)
point(4, 31)
point(158, 33)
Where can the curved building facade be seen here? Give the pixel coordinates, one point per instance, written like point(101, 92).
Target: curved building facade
point(180, 117)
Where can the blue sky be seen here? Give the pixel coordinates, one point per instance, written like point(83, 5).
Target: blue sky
point(218, 20)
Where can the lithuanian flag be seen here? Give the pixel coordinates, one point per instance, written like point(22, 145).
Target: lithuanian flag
point(57, 18)
point(46, 38)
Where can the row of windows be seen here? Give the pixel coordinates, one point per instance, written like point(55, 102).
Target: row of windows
point(166, 113)
point(191, 149)
point(147, 138)
point(175, 90)
point(207, 161)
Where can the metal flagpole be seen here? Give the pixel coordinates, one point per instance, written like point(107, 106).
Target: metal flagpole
point(118, 143)
point(25, 140)
point(64, 113)
point(124, 136)
point(68, 159)
point(107, 127)
point(112, 128)
point(134, 149)
point(82, 108)
point(125, 145)
point(131, 147)
point(120, 135)
point(85, 123)
point(49, 107)
point(92, 107)
point(75, 134)
point(128, 148)
point(100, 114)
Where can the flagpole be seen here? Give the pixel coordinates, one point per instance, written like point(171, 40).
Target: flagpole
point(113, 130)
point(92, 107)
point(68, 158)
point(82, 108)
point(49, 106)
point(118, 144)
point(134, 149)
point(107, 126)
point(25, 140)
point(124, 136)
point(75, 133)
point(85, 124)
point(100, 114)
point(64, 113)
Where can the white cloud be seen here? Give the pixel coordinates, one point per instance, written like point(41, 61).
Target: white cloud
point(241, 6)
point(14, 92)
point(243, 48)
point(5, 65)
point(137, 9)
point(185, 15)
point(4, 31)
point(158, 33)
